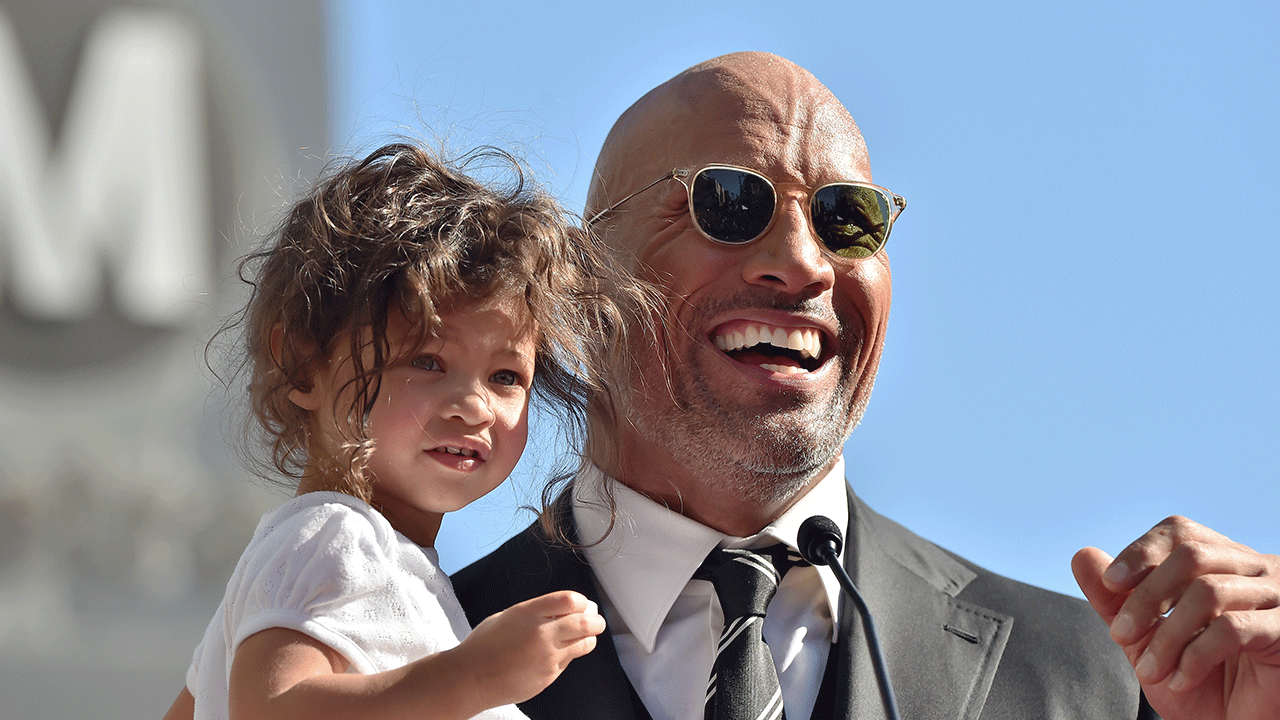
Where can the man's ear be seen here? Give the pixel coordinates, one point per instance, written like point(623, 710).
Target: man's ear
point(307, 398)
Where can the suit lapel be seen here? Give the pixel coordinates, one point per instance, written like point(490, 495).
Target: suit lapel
point(942, 652)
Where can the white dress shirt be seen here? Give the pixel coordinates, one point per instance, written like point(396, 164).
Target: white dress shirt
point(666, 625)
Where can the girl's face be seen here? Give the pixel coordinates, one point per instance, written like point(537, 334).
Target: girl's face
point(451, 417)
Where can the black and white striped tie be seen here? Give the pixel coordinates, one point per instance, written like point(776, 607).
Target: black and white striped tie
point(744, 681)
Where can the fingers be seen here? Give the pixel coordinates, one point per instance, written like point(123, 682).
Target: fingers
point(1143, 555)
point(1229, 635)
point(1166, 585)
point(569, 630)
point(1214, 619)
point(579, 647)
point(562, 602)
point(569, 617)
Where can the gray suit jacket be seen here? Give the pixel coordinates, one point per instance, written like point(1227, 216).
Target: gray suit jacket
point(961, 643)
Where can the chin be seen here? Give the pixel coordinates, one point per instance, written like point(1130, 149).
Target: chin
point(790, 450)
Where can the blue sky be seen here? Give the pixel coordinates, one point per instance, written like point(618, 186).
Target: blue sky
point(1086, 296)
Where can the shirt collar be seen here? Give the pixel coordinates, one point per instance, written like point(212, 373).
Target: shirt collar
point(647, 558)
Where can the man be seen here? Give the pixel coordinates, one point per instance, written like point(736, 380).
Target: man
point(718, 438)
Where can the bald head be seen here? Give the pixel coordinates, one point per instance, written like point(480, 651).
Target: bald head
point(717, 417)
point(751, 102)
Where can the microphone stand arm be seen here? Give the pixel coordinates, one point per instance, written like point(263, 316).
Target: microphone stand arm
point(829, 555)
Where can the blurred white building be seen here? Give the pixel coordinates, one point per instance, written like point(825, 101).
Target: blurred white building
point(142, 148)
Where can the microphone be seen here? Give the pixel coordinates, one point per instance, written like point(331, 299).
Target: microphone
point(820, 542)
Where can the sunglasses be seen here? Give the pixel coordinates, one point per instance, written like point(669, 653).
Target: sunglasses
point(734, 206)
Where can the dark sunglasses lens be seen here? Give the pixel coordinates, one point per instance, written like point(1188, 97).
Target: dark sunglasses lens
point(853, 221)
point(732, 206)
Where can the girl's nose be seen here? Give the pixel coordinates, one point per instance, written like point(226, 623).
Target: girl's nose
point(471, 405)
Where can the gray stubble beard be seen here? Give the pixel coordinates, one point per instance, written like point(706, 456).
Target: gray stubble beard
point(768, 458)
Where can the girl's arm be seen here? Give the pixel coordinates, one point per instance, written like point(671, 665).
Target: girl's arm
point(510, 657)
point(184, 708)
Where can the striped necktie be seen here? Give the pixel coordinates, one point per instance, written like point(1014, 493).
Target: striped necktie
point(744, 681)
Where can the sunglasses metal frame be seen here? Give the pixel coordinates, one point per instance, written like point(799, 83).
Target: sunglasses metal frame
point(896, 202)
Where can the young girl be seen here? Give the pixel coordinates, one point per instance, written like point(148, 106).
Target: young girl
point(399, 320)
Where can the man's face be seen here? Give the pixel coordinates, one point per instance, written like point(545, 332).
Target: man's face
point(732, 399)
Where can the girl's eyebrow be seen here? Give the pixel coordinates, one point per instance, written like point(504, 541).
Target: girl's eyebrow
point(516, 354)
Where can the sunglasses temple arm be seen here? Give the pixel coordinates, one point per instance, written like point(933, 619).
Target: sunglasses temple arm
point(674, 173)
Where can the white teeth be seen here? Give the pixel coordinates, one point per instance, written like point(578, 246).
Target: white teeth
point(784, 369)
point(807, 341)
point(458, 451)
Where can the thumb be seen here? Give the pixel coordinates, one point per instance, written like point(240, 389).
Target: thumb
point(1088, 565)
point(558, 604)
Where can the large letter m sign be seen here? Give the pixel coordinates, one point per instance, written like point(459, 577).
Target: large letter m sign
point(123, 191)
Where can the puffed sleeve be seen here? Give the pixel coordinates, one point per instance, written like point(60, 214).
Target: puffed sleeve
point(322, 572)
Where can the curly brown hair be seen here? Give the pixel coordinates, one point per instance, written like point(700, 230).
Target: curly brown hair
point(405, 229)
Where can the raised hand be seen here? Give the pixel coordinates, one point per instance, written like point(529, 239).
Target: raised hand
point(1198, 616)
point(518, 652)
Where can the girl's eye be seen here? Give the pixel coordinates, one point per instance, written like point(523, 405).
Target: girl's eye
point(505, 377)
point(427, 362)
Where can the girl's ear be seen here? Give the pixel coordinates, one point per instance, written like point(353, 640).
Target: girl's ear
point(307, 399)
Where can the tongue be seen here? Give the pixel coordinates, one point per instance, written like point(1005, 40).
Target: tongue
point(755, 357)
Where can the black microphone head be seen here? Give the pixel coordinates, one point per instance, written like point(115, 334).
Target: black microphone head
point(819, 540)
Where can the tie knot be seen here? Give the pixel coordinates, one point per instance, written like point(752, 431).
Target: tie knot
point(745, 580)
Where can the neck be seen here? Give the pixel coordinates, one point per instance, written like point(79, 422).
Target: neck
point(420, 526)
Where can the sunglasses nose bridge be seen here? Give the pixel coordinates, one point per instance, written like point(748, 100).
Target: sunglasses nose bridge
point(792, 211)
point(790, 253)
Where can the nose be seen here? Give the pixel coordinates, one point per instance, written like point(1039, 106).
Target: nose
point(471, 404)
point(789, 257)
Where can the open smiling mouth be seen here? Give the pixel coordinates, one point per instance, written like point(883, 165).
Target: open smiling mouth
point(460, 457)
point(772, 348)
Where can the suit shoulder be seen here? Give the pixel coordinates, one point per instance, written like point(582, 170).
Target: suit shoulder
point(1058, 660)
point(1050, 615)
point(1059, 653)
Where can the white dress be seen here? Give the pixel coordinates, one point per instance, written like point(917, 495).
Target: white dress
point(330, 566)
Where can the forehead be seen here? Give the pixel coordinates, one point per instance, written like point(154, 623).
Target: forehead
point(504, 321)
point(779, 121)
point(501, 324)
point(805, 145)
